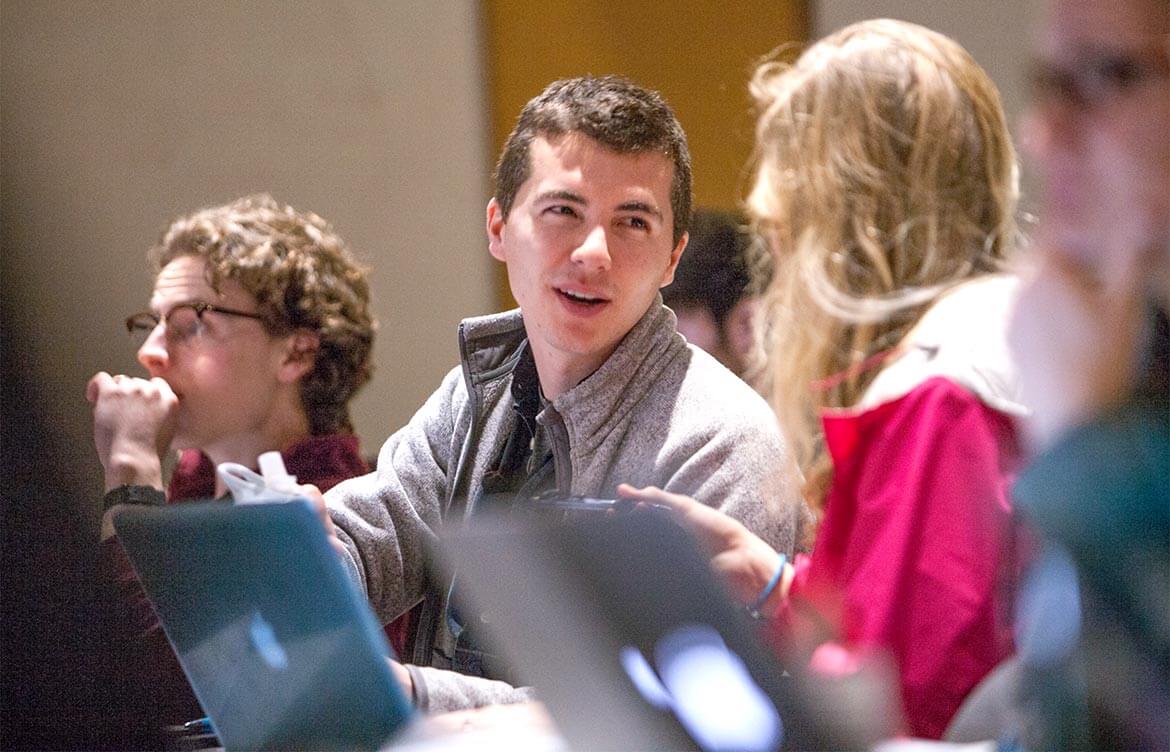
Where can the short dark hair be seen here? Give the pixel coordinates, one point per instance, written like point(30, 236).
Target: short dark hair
point(615, 112)
point(723, 264)
point(303, 277)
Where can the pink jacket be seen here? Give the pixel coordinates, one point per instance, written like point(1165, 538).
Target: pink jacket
point(917, 546)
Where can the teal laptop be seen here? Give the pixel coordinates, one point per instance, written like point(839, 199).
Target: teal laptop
point(277, 642)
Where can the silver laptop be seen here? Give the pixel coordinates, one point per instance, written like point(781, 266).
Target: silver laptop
point(278, 644)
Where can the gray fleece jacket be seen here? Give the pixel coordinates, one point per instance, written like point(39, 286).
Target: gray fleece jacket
point(658, 412)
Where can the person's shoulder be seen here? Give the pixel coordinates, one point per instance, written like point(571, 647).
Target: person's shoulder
point(962, 338)
point(968, 308)
point(709, 380)
point(712, 402)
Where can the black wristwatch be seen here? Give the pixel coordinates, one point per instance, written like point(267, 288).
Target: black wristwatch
point(130, 494)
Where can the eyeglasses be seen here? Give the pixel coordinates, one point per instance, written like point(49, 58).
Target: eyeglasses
point(1095, 80)
point(184, 322)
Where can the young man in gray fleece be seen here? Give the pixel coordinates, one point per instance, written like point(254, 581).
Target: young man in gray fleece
point(586, 386)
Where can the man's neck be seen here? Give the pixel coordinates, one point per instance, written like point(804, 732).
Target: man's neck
point(558, 373)
point(277, 435)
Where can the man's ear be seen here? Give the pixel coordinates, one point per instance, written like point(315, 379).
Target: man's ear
point(495, 230)
point(675, 255)
point(300, 355)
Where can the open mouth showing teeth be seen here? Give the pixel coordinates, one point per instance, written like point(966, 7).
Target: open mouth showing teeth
point(577, 297)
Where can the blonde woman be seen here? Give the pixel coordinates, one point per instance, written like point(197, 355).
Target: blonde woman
point(886, 184)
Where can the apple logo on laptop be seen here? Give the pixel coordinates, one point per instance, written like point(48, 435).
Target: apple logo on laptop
point(264, 639)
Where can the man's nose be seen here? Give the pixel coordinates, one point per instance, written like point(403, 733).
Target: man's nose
point(153, 354)
point(594, 250)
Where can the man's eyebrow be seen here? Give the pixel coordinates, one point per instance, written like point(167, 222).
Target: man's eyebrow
point(157, 309)
point(641, 206)
point(562, 196)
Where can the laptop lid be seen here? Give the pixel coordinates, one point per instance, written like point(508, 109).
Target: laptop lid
point(626, 635)
point(278, 644)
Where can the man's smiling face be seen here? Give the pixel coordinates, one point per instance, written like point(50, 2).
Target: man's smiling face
point(588, 242)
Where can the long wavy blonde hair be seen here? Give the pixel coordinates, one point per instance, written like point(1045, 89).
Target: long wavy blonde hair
point(884, 176)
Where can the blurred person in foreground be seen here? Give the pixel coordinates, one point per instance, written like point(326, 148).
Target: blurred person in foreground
point(257, 336)
point(886, 186)
point(716, 290)
point(1091, 340)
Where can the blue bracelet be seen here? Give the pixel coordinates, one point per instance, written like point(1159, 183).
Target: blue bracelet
point(754, 609)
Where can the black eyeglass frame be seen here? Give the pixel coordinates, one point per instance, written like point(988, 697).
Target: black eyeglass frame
point(136, 322)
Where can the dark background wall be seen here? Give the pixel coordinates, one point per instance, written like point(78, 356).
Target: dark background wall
point(115, 116)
